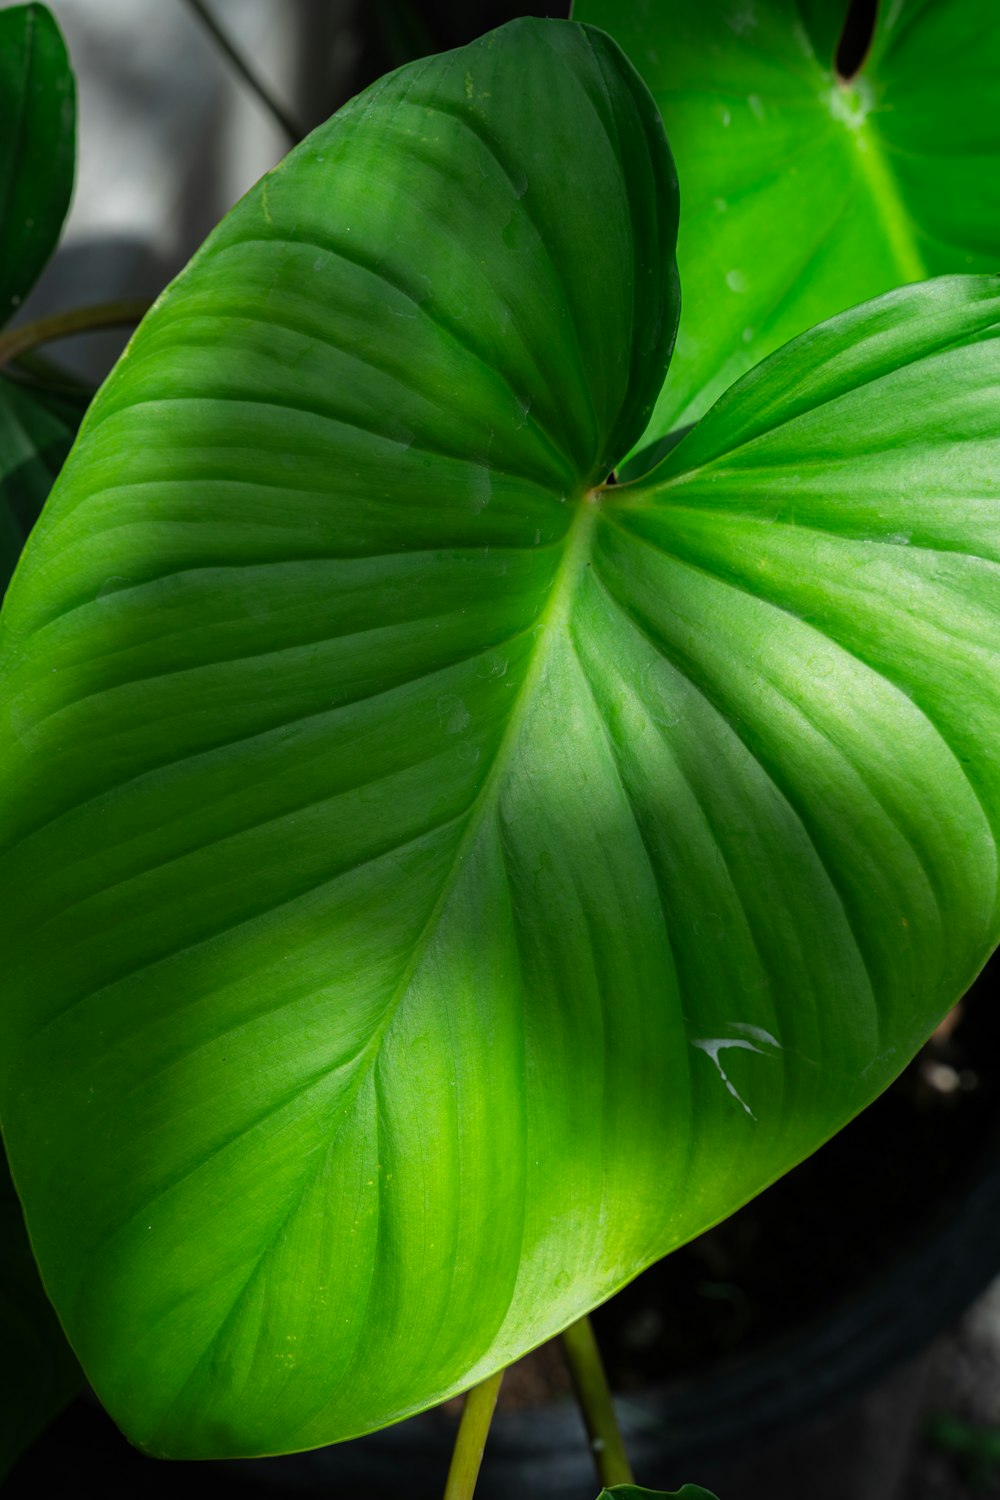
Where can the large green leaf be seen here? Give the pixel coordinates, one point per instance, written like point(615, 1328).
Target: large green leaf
point(434, 884)
point(802, 194)
point(300, 578)
point(37, 146)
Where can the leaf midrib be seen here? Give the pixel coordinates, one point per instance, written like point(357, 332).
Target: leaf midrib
point(870, 168)
point(887, 204)
point(553, 620)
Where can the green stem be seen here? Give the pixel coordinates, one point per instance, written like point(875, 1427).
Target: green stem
point(239, 62)
point(477, 1414)
point(594, 1396)
point(81, 320)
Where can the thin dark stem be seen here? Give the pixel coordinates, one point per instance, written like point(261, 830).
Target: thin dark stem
point(18, 341)
point(477, 1414)
point(291, 128)
point(594, 1396)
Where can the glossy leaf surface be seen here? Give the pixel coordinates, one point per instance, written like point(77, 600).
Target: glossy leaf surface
point(803, 194)
point(37, 146)
point(305, 565)
point(435, 885)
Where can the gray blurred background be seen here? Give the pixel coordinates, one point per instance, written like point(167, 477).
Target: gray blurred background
point(169, 137)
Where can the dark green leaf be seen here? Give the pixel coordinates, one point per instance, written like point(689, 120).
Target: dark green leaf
point(36, 432)
point(38, 1373)
point(37, 146)
point(802, 194)
point(403, 30)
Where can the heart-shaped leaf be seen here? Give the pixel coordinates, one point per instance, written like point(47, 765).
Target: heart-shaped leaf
point(37, 146)
point(436, 884)
point(803, 193)
point(325, 526)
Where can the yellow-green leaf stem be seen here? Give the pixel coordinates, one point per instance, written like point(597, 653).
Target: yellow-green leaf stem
point(28, 336)
point(594, 1396)
point(473, 1430)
